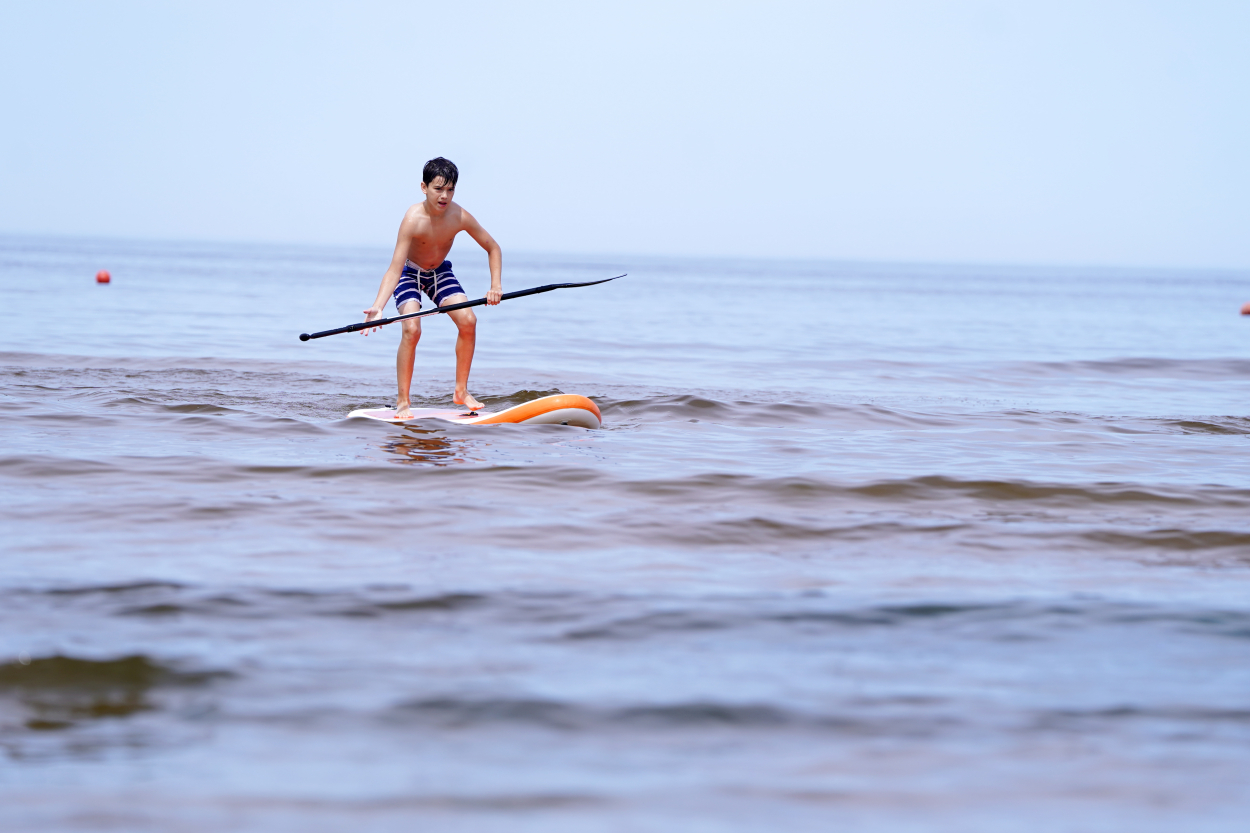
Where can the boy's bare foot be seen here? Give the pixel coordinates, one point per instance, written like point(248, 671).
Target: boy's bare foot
point(403, 411)
point(468, 401)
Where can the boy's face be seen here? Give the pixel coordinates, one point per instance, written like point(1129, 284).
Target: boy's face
point(438, 194)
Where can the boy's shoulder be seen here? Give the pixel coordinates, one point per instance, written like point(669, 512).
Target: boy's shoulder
point(416, 211)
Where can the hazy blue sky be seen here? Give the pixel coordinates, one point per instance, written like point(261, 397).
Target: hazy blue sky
point(1029, 132)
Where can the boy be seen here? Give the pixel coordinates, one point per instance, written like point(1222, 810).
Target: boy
point(419, 265)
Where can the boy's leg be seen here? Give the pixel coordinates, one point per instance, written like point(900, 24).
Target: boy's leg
point(466, 341)
point(404, 358)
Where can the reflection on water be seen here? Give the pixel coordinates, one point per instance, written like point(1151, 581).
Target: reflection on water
point(427, 446)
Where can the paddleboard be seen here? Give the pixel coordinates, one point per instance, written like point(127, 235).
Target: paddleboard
point(561, 409)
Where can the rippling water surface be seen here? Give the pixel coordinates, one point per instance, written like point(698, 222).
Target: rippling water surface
point(886, 547)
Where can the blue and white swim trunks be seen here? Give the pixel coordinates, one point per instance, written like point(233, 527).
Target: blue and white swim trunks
point(438, 284)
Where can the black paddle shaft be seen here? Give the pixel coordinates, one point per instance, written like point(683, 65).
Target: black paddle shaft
point(520, 293)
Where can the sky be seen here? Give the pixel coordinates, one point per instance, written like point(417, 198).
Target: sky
point(1085, 133)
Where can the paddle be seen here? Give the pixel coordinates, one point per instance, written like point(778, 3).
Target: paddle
point(378, 322)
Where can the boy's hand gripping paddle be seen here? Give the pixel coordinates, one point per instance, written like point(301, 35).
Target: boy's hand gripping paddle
point(378, 322)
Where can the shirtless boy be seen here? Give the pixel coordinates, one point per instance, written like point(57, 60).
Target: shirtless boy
point(420, 265)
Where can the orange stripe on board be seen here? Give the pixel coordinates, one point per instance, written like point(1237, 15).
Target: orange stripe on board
point(538, 407)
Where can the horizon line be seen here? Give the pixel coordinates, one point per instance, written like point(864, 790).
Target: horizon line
point(922, 263)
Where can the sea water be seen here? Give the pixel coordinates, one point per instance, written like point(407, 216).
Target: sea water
point(861, 546)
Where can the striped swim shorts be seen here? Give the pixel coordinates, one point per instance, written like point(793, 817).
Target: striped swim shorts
point(438, 284)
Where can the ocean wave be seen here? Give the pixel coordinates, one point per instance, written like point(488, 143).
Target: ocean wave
point(578, 617)
point(1212, 425)
point(939, 488)
point(1141, 367)
point(1178, 541)
point(51, 387)
point(760, 414)
point(880, 716)
point(468, 712)
point(58, 691)
point(988, 621)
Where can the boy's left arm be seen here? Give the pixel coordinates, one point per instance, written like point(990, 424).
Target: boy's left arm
point(483, 238)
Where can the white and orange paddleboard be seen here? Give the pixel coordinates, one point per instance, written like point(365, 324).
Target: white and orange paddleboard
point(561, 409)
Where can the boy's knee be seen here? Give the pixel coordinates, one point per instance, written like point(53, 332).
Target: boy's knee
point(468, 321)
point(412, 329)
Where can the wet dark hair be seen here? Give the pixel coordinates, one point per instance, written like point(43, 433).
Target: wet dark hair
point(438, 166)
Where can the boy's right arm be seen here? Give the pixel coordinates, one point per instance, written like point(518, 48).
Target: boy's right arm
point(391, 278)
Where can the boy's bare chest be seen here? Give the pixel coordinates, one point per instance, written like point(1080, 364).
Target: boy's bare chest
point(431, 241)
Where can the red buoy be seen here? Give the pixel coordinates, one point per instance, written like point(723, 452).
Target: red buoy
point(1246, 309)
point(103, 276)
